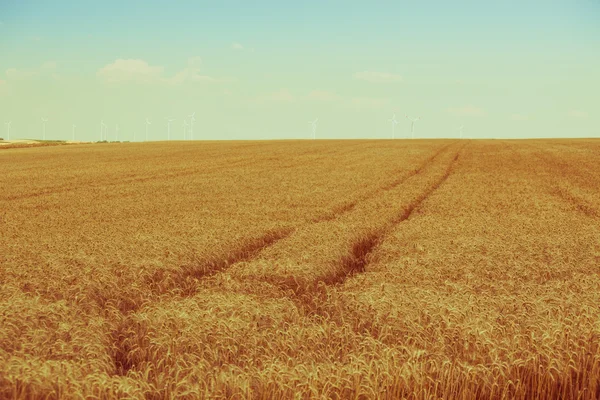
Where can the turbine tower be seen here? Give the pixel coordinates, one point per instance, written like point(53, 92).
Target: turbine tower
point(169, 120)
point(103, 131)
point(117, 133)
point(314, 127)
point(460, 129)
point(192, 119)
point(147, 124)
point(412, 126)
point(394, 123)
point(7, 129)
point(185, 125)
point(44, 120)
point(73, 131)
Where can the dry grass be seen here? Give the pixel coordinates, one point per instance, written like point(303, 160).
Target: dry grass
point(357, 269)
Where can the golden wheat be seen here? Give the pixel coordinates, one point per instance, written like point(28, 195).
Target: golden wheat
point(357, 269)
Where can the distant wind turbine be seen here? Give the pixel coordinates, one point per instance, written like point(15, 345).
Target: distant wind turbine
point(147, 124)
point(192, 119)
point(394, 123)
point(185, 125)
point(169, 120)
point(44, 120)
point(117, 133)
point(7, 129)
point(73, 131)
point(103, 131)
point(461, 130)
point(412, 126)
point(314, 127)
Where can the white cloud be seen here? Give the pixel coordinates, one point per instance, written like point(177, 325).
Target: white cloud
point(140, 71)
point(467, 111)
point(377, 77)
point(130, 70)
point(47, 69)
point(191, 73)
point(577, 114)
point(239, 47)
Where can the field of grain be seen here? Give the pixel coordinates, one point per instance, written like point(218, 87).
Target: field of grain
point(312, 269)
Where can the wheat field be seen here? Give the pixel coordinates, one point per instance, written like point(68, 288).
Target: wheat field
point(441, 269)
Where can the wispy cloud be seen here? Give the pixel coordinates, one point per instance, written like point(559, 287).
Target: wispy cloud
point(240, 47)
point(47, 69)
point(577, 114)
point(377, 77)
point(466, 111)
point(139, 71)
point(130, 70)
point(191, 73)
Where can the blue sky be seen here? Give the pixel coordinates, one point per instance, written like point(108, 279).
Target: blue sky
point(261, 70)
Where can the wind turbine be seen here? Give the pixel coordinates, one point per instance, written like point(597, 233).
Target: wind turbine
point(394, 123)
point(117, 133)
point(103, 131)
point(412, 126)
point(461, 130)
point(314, 127)
point(169, 120)
point(44, 120)
point(147, 124)
point(185, 125)
point(7, 129)
point(192, 119)
point(73, 131)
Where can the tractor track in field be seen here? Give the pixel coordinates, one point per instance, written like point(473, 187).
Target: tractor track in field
point(312, 298)
point(579, 204)
point(184, 281)
point(347, 207)
point(563, 193)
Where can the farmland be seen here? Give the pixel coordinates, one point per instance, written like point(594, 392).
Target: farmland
point(311, 269)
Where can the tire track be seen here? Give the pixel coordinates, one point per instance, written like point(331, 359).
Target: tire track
point(183, 280)
point(348, 207)
point(579, 204)
point(364, 246)
point(563, 193)
point(130, 334)
point(330, 252)
point(314, 299)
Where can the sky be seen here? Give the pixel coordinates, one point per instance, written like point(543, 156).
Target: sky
point(254, 70)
